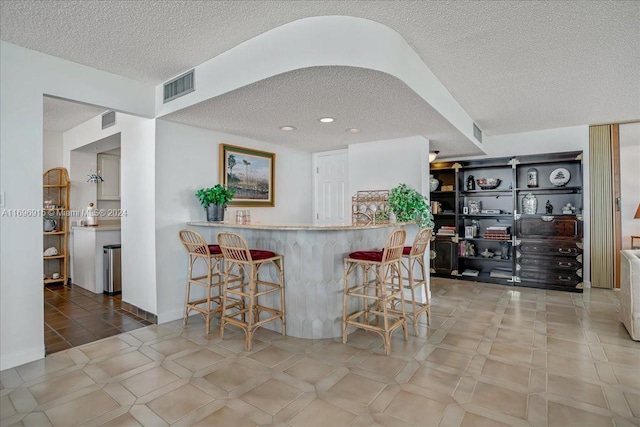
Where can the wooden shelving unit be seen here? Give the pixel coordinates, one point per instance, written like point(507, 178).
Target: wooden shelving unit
point(541, 249)
point(56, 185)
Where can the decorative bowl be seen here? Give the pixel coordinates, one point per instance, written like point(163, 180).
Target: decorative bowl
point(488, 183)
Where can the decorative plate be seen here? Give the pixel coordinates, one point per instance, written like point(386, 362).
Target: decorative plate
point(559, 177)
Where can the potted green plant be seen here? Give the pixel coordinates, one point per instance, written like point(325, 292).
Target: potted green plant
point(409, 205)
point(214, 200)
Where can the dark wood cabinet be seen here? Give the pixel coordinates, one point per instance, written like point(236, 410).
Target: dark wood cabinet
point(510, 220)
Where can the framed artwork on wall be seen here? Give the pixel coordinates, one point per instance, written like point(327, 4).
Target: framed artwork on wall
point(251, 173)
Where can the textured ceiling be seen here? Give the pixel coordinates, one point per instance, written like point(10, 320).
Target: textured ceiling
point(380, 105)
point(61, 115)
point(513, 66)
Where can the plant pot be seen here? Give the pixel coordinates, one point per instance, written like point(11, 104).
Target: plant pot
point(215, 212)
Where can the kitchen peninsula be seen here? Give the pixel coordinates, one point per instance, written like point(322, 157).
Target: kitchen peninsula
point(313, 264)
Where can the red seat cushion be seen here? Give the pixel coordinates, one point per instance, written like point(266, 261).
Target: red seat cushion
point(215, 250)
point(406, 250)
point(367, 255)
point(259, 254)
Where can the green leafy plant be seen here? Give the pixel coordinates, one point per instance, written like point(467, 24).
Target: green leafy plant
point(409, 205)
point(216, 195)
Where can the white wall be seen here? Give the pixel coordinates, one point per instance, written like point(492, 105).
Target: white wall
point(382, 165)
point(186, 160)
point(25, 76)
point(629, 181)
point(51, 150)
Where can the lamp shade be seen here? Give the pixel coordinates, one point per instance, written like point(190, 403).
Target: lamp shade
point(433, 155)
point(637, 215)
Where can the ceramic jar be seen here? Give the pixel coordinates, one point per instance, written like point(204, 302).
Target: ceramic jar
point(434, 183)
point(529, 204)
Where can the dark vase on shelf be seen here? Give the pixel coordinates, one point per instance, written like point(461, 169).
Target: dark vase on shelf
point(215, 212)
point(471, 183)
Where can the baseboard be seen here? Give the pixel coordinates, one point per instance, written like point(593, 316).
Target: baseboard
point(11, 360)
point(150, 317)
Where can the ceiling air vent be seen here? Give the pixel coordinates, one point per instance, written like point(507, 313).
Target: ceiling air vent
point(108, 119)
point(477, 132)
point(179, 86)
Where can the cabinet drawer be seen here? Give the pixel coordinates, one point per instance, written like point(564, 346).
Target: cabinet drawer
point(549, 263)
point(555, 226)
point(564, 278)
point(443, 256)
point(549, 248)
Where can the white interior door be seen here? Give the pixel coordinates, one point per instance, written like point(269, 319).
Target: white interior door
point(331, 200)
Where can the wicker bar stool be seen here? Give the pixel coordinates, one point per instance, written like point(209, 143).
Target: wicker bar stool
point(413, 262)
point(210, 255)
point(376, 296)
point(241, 303)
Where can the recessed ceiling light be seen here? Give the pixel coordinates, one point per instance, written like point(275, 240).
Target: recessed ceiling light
point(353, 130)
point(287, 128)
point(327, 119)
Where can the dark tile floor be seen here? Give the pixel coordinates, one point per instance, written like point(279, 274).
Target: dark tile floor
point(74, 316)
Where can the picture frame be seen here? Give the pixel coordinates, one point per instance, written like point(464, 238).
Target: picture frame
point(469, 232)
point(251, 173)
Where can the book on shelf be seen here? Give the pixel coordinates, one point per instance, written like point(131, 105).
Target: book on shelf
point(471, 272)
point(501, 273)
point(446, 230)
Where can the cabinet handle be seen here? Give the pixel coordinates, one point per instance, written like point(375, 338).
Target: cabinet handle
point(564, 264)
point(564, 278)
point(565, 250)
point(547, 218)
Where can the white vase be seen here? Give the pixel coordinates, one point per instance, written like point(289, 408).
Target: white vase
point(434, 183)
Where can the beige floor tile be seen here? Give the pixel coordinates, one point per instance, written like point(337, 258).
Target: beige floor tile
point(6, 408)
point(450, 358)
point(461, 341)
point(199, 359)
point(433, 379)
point(470, 327)
point(173, 346)
point(564, 416)
point(507, 372)
point(150, 380)
point(473, 420)
point(124, 420)
point(520, 336)
point(558, 345)
point(320, 413)
point(356, 388)
point(230, 377)
point(270, 356)
point(516, 322)
point(338, 351)
point(103, 348)
point(121, 364)
point(415, 409)
point(633, 399)
point(226, 416)
point(566, 332)
point(386, 366)
point(627, 376)
point(310, 370)
point(272, 396)
point(82, 409)
point(179, 402)
point(512, 352)
point(500, 399)
point(57, 387)
point(523, 313)
point(571, 366)
point(622, 356)
point(577, 390)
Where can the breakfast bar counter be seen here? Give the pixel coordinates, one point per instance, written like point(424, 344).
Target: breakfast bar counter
point(313, 266)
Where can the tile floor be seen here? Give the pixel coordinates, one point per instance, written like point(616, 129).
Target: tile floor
point(74, 316)
point(492, 356)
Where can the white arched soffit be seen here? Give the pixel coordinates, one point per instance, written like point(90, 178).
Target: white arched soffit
point(321, 41)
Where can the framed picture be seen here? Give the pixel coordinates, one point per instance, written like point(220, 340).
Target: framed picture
point(251, 173)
